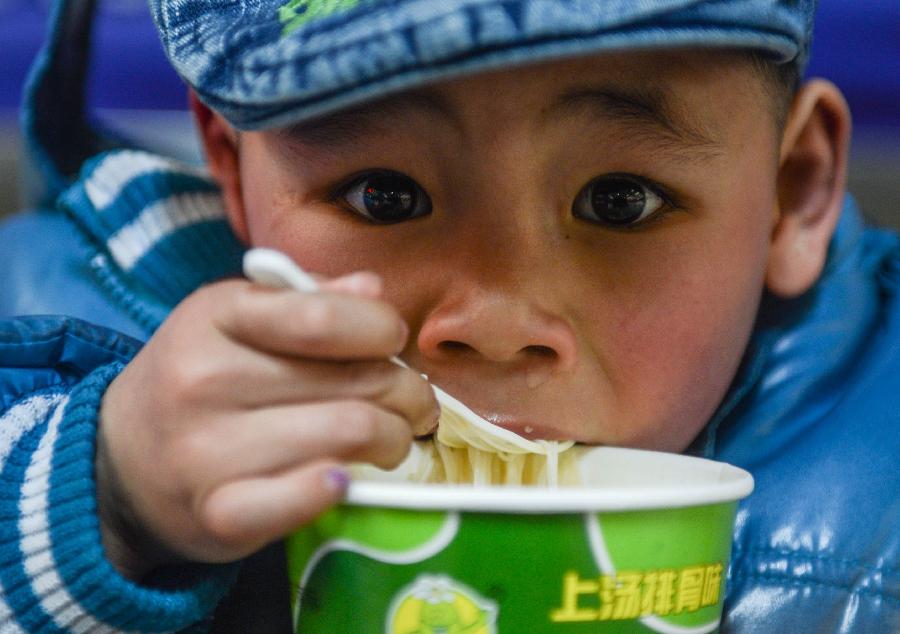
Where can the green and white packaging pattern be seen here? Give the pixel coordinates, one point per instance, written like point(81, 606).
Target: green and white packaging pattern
point(643, 547)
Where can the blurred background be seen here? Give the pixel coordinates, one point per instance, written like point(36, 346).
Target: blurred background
point(857, 46)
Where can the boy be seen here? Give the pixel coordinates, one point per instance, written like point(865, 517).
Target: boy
point(611, 222)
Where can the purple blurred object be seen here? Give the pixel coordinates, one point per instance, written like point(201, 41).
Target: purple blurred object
point(128, 67)
point(857, 46)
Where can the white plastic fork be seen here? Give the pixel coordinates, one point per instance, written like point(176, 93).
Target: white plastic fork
point(273, 268)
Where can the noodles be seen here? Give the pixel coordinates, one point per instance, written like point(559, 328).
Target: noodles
point(470, 465)
point(467, 449)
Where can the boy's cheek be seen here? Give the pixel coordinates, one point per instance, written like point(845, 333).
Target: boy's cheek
point(669, 382)
point(672, 342)
point(313, 233)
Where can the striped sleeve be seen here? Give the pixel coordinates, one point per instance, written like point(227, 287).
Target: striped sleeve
point(54, 576)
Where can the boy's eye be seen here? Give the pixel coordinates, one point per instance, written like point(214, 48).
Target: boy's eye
point(616, 201)
point(386, 197)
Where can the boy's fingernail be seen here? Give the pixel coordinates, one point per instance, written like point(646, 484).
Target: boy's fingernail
point(404, 331)
point(337, 480)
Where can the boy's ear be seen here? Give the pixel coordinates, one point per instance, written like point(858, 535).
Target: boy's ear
point(220, 144)
point(812, 176)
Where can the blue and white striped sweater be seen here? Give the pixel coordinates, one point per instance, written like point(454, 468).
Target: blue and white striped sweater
point(156, 232)
point(53, 574)
point(157, 228)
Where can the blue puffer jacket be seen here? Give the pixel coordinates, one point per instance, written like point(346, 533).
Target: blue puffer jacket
point(814, 413)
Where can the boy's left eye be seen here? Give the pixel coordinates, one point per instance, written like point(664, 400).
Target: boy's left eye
point(618, 201)
point(386, 197)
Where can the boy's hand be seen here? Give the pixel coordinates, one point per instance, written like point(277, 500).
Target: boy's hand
point(230, 427)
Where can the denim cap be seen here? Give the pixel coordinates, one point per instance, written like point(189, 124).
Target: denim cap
point(268, 63)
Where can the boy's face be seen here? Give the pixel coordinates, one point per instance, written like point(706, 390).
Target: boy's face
point(579, 248)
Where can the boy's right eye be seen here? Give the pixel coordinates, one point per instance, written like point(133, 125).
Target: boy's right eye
point(385, 197)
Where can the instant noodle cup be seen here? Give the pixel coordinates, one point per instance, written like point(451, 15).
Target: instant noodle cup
point(642, 545)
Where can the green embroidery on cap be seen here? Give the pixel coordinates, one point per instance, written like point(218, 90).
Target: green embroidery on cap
point(296, 13)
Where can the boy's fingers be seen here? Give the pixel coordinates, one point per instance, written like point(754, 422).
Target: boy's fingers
point(362, 283)
point(278, 439)
point(243, 515)
point(320, 325)
point(277, 381)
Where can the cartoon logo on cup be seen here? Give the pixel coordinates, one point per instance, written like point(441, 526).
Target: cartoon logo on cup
point(435, 604)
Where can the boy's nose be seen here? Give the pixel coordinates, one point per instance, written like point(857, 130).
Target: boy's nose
point(484, 326)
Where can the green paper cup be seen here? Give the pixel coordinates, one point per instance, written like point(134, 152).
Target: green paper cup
point(642, 547)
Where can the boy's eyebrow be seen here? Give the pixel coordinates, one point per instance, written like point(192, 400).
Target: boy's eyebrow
point(345, 126)
point(651, 108)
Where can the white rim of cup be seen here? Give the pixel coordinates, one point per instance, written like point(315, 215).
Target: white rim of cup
point(724, 483)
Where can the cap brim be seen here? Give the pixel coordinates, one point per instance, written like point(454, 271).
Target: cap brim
point(260, 71)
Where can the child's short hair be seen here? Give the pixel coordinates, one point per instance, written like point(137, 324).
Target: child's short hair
point(782, 79)
point(268, 63)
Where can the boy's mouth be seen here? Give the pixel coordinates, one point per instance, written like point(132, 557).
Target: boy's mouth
point(522, 413)
point(531, 430)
